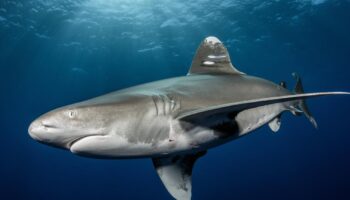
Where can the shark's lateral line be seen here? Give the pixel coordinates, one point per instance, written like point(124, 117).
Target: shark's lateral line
point(174, 121)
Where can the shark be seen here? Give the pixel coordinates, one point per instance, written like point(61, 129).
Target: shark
point(175, 121)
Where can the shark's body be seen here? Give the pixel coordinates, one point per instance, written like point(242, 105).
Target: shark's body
point(173, 121)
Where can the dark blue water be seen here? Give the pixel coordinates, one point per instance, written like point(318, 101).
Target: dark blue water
point(54, 53)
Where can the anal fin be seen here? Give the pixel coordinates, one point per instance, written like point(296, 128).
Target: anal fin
point(176, 173)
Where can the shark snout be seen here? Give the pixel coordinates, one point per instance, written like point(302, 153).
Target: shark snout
point(37, 130)
point(34, 129)
point(48, 133)
point(40, 129)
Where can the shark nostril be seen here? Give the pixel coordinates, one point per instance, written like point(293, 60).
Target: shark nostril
point(47, 125)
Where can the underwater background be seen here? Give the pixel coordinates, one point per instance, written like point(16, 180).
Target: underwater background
point(57, 52)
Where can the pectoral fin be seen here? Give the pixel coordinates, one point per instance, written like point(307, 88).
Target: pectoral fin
point(176, 173)
point(253, 103)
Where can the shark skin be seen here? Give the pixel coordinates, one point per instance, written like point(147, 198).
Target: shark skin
point(174, 121)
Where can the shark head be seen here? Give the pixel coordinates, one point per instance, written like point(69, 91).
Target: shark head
point(96, 127)
point(65, 126)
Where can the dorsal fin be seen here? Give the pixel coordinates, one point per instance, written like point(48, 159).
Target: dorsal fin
point(212, 57)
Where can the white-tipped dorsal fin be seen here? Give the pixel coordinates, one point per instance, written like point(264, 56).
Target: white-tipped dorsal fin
point(176, 173)
point(212, 57)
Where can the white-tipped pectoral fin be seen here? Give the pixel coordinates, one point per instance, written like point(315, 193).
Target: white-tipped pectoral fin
point(176, 174)
point(253, 103)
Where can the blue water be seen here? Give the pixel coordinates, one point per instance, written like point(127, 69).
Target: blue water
point(57, 52)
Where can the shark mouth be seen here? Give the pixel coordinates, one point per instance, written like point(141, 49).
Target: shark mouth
point(71, 144)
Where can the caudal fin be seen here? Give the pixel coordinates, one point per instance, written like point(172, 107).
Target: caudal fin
point(302, 107)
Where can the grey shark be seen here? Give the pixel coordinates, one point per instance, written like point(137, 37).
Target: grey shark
point(174, 121)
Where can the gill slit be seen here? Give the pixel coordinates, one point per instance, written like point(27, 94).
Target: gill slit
point(155, 105)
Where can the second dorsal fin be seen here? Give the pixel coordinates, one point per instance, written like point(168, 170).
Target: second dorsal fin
point(212, 57)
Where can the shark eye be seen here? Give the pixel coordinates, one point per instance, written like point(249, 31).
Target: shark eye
point(72, 113)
